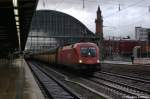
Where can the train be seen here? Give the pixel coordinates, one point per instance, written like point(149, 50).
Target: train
point(83, 56)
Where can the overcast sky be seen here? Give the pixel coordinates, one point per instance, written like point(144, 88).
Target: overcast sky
point(116, 23)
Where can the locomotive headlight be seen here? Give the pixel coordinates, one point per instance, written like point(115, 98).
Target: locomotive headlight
point(80, 61)
point(98, 61)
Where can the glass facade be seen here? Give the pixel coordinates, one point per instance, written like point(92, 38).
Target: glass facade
point(52, 28)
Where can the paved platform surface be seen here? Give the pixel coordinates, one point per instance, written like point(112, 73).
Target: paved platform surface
point(123, 63)
point(117, 62)
point(16, 81)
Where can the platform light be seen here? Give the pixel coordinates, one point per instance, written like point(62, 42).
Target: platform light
point(18, 29)
point(19, 41)
point(17, 26)
point(16, 11)
point(16, 18)
point(17, 23)
point(18, 33)
point(15, 3)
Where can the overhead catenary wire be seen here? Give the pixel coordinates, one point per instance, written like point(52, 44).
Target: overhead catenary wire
point(149, 9)
point(140, 20)
point(127, 25)
point(120, 8)
point(83, 4)
point(44, 3)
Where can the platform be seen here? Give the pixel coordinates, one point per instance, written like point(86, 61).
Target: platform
point(124, 63)
point(16, 81)
point(117, 62)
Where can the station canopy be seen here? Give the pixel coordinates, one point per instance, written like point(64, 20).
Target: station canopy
point(15, 19)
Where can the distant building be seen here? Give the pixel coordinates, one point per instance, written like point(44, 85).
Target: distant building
point(99, 31)
point(99, 24)
point(142, 34)
point(121, 47)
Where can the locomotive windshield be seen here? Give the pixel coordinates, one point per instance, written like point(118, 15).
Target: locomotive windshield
point(88, 51)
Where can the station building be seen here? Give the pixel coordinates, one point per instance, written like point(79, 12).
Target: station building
point(51, 28)
point(142, 33)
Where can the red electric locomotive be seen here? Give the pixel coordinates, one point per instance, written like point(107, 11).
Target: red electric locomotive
point(79, 56)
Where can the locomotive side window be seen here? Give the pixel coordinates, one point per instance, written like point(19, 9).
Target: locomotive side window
point(88, 52)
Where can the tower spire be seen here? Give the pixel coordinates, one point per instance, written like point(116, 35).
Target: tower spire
point(99, 9)
point(99, 23)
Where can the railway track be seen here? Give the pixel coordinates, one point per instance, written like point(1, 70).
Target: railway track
point(142, 85)
point(85, 91)
point(141, 72)
point(107, 91)
point(130, 77)
point(100, 86)
point(123, 84)
point(52, 87)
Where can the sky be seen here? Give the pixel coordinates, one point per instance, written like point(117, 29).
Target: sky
point(118, 20)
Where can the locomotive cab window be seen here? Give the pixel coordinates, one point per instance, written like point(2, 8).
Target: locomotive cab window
point(88, 52)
